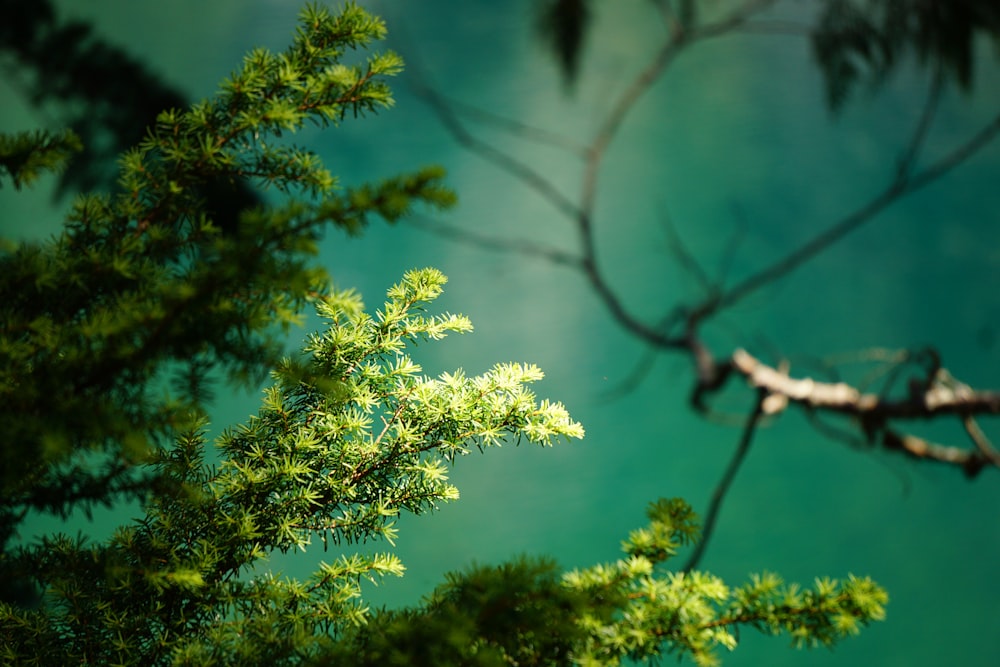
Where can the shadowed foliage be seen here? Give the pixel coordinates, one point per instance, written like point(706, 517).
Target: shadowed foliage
point(854, 41)
point(562, 28)
point(863, 42)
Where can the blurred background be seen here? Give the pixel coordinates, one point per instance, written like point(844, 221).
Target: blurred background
point(736, 150)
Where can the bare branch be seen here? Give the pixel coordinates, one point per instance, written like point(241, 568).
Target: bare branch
point(513, 127)
point(971, 462)
point(979, 438)
point(909, 157)
point(837, 396)
point(530, 177)
point(582, 215)
point(521, 247)
point(727, 480)
point(935, 395)
point(904, 184)
point(685, 259)
point(676, 42)
point(940, 397)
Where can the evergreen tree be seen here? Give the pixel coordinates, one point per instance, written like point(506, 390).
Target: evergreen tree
point(144, 287)
point(110, 331)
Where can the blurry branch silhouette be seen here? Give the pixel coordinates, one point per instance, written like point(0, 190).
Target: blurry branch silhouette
point(519, 246)
point(863, 42)
point(905, 182)
point(142, 290)
point(937, 395)
point(727, 480)
point(934, 396)
point(534, 134)
point(517, 168)
point(103, 93)
point(563, 25)
point(108, 97)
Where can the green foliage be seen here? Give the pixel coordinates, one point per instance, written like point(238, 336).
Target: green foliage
point(25, 155)
point(147, 288)
point(562, 27)
point(108, 334)
point(692, 613)
point(343, 443)
point(853, 41)
point(516, 613)
point(105, 94)
point(859, 40)
point(526, 613)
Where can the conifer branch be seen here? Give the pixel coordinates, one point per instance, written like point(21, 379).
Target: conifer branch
point(349, 436)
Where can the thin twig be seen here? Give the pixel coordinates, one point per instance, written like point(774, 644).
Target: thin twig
point(728, 256)
point(893, 193)
point(514, 127)
point(909, 157)
point(639, 371)
point(971, 462)
point(521, 247)
point(746, 439)
point(607, 132)
point(520, 170)
point(680, 330)
point(685, 258)
point(979, 438)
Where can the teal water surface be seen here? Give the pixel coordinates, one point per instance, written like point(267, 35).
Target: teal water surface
point(735, 145)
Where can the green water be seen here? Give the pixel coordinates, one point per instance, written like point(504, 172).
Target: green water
point(733, 143)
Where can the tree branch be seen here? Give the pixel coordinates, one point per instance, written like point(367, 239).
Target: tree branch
point(942, 396)
point(937, 396)
point(727, 480)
